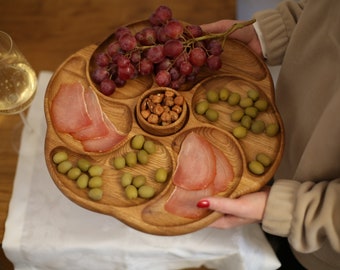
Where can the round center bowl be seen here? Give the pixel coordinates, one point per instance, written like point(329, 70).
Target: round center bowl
point(161, 111)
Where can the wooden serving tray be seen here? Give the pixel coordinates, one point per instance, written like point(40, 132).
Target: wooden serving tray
point(241, 71)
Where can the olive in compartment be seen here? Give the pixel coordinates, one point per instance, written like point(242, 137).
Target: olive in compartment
point(161, 111)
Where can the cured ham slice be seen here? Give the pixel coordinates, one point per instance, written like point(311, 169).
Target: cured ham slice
point(183, 201)
point(196, 163)
point(98, 128)
point(68, 111)
point(77, 111)
point(224, 171)
point(105, 143)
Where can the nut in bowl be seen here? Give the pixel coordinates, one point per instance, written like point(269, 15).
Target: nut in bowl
point(161, 111)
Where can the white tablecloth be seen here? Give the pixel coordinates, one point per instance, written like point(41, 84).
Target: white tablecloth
point(45, 230)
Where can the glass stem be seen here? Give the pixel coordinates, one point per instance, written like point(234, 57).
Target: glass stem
point(24, 120)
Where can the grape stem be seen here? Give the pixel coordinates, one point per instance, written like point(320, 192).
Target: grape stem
point(223, 35)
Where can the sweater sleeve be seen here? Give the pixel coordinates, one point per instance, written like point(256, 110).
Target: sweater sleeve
point(302, 211)
point(276, 27)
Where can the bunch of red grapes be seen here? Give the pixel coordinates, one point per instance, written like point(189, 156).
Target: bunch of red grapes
point(171, 51)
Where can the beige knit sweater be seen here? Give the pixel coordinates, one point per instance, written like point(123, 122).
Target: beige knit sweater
point(304, 202)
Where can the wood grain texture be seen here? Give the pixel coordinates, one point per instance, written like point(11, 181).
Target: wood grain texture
point(49, 31)
point(241, 71)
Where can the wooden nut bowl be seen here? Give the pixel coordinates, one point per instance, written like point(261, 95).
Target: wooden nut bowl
point(241, 70)
point(158, 129)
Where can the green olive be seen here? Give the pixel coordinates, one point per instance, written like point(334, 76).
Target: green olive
point(201, 107)
point(261, 105)
point(119, 163)
point(272, 129)
point(95, 170)
point(137, 142)
point(60, 157)
point(212, 96)
point(240, 132)
point(82, 181)
point(64, 166)
point(253, 94)
point(256, 167)
point(236, 115)
point(234, 99)
point(149, 146)
point(131, 192)
point(257, 126)
point(83, 164)
point(142, 156)
point(95, 194)
point(146, 192)
point(246, 121)
point(224, 94)
point(251, 111)
point(131, 158)
point(246, 102)
point(161, 175)
point(74, 173)
point(126, 179)
point(264, 159)
point(138, 181)
point(95, 182)
point(211, 115)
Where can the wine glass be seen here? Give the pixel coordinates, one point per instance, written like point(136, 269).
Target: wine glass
point(18, 81)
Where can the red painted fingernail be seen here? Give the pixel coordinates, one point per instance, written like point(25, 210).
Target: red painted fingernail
point(203, 204)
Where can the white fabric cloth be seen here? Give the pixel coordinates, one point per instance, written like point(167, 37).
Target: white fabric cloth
point(45, 230)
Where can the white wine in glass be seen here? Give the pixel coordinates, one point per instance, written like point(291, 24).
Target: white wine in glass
point(18, 81)
point(18, 84)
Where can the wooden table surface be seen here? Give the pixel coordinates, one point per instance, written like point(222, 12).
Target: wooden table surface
point(48, 31)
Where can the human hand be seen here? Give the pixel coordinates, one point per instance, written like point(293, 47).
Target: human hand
point(246, 34)
point(246, 209)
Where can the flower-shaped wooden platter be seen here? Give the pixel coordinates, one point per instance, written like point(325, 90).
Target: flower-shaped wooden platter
point(242, 70)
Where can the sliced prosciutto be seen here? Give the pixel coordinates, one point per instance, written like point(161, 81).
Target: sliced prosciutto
point(195, 164)
point(224, 171)
point(105, 143)
point(69, 111)
point(183, 201)
point(98, 128)
point(77, 111)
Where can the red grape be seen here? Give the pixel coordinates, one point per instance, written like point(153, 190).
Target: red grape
point(214, 47)
point(102, 59)
point(174, 73)
point(193, 31)
point(214, 62)
point(165, 64)
point(107, 87)
point(161, 15)
point(173, 48)
point(99, 74)
point(126, 73)
point(163, 78)
point(135, 57)
point(122, 61)
point(113, 48)
point(161, 36)
point(155, 54)
point(197, 56)
point(146, 36)
point(145, 66)
point(121, 31)
point(185, 68)
point(173, 29)
point(127, 42)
